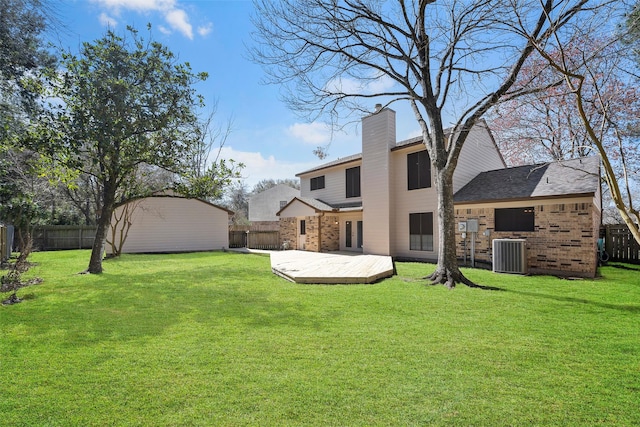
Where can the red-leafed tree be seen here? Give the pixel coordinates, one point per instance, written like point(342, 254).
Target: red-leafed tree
point(592, 106)
point(547, 126)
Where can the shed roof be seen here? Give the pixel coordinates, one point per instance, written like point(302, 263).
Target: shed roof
point(556, 179)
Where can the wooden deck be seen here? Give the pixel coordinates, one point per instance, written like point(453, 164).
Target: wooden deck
point(330, 268)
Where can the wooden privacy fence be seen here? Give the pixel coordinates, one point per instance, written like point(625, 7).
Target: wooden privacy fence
point(254, 239)
point(620, 244)
point(53, 237)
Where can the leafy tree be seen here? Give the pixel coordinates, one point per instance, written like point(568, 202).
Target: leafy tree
point(119, 104)
point(445, 59)
point(24, 195)
point(22, 23)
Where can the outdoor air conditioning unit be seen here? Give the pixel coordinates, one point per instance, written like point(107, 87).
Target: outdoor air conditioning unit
point(509, 256)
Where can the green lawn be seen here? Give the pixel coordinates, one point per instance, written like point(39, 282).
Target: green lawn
point(216, 339)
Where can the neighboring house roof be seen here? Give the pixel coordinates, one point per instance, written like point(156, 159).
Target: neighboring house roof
point(556, 179)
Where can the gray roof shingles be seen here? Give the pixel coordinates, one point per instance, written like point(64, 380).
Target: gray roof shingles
point(570, 177)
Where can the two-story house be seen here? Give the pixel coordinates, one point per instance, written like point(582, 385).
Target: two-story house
point(382, 202)
point(264, 205)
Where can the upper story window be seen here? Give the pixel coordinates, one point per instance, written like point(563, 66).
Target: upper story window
point(353, 182)
point(418, 170)
point(283, 203)
point(515, 219)
point(317, 183)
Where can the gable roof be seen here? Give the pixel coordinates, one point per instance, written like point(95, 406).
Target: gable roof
point(314, 204)
point(398, 146)
point(320, 206)
point(340, 161)
point(567, 178)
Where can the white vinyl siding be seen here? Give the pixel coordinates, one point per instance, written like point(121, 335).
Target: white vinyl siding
point(378, 137)
point(298, 209)
point(334, 185)
point(176, 224)
point(479, 154)
point(405, 202)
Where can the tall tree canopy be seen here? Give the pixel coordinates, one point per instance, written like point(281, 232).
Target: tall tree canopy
point(121, 104)
point(22, 23)
point(22, 58)
point(450, 60)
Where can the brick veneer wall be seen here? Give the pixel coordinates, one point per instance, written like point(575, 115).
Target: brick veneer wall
point(289, 232)
point(330, 234)
point(323, 233)
point(564, 241)
point(313, 233)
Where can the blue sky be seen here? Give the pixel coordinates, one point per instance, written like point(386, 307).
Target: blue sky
point(213, 35)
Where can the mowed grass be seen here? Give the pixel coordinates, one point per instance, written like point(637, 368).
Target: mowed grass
point(216, 339)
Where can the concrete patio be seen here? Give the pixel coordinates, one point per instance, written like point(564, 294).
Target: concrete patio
point(331, 268)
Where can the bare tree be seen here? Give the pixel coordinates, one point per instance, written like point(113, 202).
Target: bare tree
point(605, 131)
point(450, 60)
point(208, 174)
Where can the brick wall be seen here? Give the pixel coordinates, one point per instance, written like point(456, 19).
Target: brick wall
point(330, 234)
point(313, 233)
point(289, 232)
point(564, 241)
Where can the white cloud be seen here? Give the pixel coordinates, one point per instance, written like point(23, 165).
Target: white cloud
point(164, 30)
point(205, 29)
point(375, 84)
point(179, 20)
point(107, 21)
point(176, 18)
point(138, 5)
point(310, 133)
point(257, 167)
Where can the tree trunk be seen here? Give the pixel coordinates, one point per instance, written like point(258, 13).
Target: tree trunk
point(97, 250)
point(447, 271)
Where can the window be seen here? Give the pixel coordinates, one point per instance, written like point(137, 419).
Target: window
point(317, 183)
point(283, 203)
point(303, 227)
point(353, 182)
point(515, 219)
point(421, 231)
point(418, 170)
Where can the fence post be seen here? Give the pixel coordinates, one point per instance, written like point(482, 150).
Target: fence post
point(608, 243)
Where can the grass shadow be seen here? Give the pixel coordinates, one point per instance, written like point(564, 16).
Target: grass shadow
point(630, 308)
point(624, 267)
